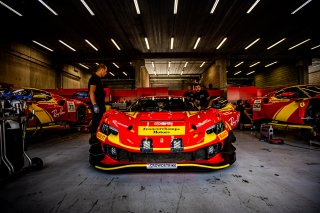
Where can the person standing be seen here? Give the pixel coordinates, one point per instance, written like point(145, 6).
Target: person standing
point(201, 97)
point(96, 94)
point(189, 94)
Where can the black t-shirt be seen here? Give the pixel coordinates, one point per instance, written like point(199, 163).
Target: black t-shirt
point(202, 95)
point(99, 92)
point(189, 95)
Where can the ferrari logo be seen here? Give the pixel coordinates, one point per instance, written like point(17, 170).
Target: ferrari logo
point(302, 104)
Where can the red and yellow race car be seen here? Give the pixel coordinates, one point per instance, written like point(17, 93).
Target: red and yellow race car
point(165, 133)
point(298, 106)
point(50, 110)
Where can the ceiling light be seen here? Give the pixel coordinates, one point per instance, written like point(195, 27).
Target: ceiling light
point(42, 45)
point(10, 8)
point(171, 44)
point(147, 43)
point(214, 6)
point(91, 45)
point(137, 6)
point(251, 72)
point(315, 47)
point(125, 73)
point(169, 64)
point(168, 72)
point(111, 73)
point(237, 73)
point(115, 44)
point(202, 64)
point(87, 7)
point(115, 65)
point(268, 65)
point(97, 64)
point(252, 65)
point(181, 72)
point(83, 66)
point(221, 42)
point(67, 45)
point(49, 8)
point(185, 65)
point(239, 64)
point(251, 8)
point(255, 41)
point(175, 9)
point(304, 4)
point(152, 64)
point(278, 42)
point(197, 42)
point(155, 72)
point(299, 44)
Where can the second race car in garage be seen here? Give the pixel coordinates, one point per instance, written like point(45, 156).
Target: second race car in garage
point(51, 109)
point(165, 133)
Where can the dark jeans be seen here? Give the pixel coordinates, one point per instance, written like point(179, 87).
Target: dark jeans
point(96, 117)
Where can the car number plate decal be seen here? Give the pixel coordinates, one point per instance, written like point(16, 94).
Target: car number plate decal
point(162, 166)
point(223, 135)
point(101, 136)
point(161, 130)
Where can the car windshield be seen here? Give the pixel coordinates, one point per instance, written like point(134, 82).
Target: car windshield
point(162, 105)
point(311, 90)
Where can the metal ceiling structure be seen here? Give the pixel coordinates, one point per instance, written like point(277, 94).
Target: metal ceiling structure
point(171, 36)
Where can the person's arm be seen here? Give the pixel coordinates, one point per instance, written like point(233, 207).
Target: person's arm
point(91, 94)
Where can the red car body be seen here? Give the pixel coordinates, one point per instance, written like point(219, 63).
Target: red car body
point(51, 109)
point(165, 132)
point(295, 105)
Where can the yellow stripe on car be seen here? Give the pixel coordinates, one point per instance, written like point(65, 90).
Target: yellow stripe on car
point(42, 115)
point(285, 112)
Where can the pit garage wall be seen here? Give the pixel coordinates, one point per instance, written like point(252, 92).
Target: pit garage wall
point(215, 75)
point(23, 66)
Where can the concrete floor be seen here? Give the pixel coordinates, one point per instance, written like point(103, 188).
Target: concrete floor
point(265, 178)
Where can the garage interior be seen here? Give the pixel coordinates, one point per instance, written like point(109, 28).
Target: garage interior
point(239, 49)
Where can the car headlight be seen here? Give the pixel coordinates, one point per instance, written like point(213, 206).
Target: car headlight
point(107, 129)
point(216, 128)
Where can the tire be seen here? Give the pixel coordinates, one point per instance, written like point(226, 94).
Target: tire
point(37, 163)
point(37, 131)
point(81, 114)
point(96, 154)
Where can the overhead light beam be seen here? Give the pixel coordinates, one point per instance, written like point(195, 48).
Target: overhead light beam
point(115, 65)
point(42, 45)
point(221, 43)
point(268, 65)
point(197, 42)
point(10, 8)
point(255, 41)
point(48, 7)
point(253, 6)
point(147, 43)
point(175, 9)
point(136, 6)
point(214, 6)
point(171, 43)
point(84, 66)
point(88, 42)
point(115, 44)
point(278, 42)
point(87, 7)
point(300, 7)
point(65, 44)
point(299, 44)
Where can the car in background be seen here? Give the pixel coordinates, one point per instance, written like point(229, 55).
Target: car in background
point(164, 132)
point(51, 109)
point(294, 105)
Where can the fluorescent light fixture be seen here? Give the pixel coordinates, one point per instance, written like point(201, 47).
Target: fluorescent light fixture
point(147, 43)
point(152, 63)
point(175, 9)
point(202, 64)
point(315, 47)
point(304, 4)
point(185, 65)
point(197, 42)
point(221, 43)
point(115, 44)
point(278, 42)
point(181, 72)
point(97, 64)
point(42, 45)
point(251, 8)
point(252, 65)
point(91, 45)
point(111, 73)
point(255, 41)
point(238, 64)
point(268, 65)
point(249, 73)
point(65, 44)
point(237, 73)
point(137, 6)
point(84, 66)
point(10, 8)
point(115, 65)
point(299, 44)
point(214, 6)
point(49, 8)
point(171, 43)
point(87, 7)
point(169, 64)
point(125, 73)
point(168, 72)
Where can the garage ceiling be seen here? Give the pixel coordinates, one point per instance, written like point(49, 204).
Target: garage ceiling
point(269, 22)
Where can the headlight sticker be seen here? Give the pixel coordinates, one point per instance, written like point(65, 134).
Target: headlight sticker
point(101, 136)
point(223, 135)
